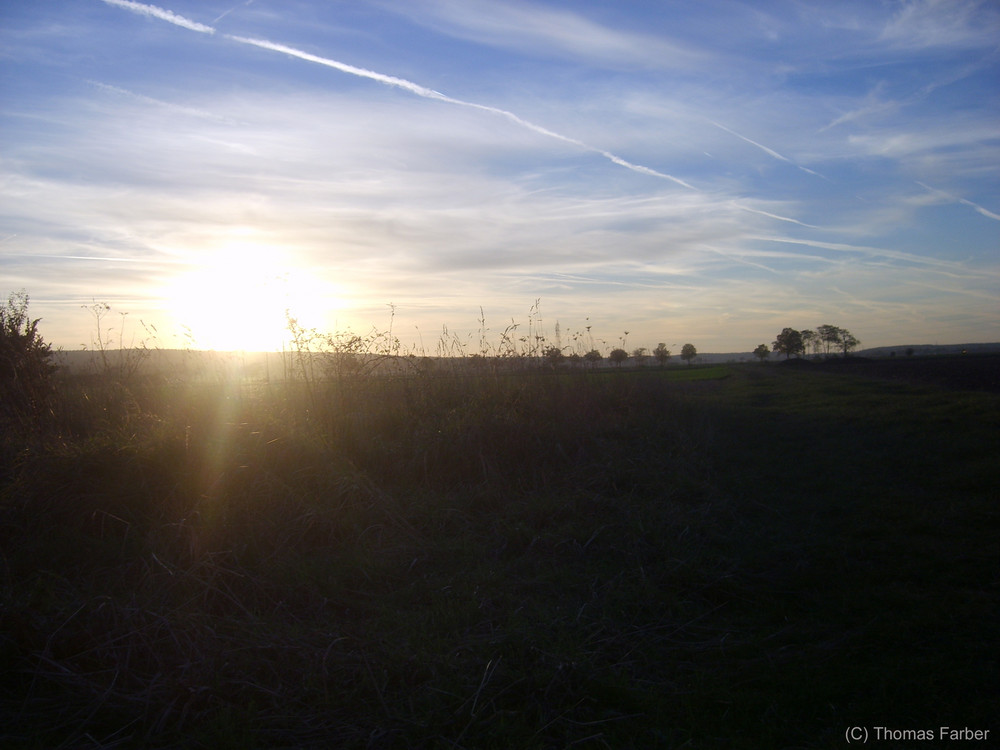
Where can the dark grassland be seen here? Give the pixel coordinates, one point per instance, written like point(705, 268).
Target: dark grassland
point(728, 557)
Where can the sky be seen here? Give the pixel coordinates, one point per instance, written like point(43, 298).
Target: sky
point(705, 172)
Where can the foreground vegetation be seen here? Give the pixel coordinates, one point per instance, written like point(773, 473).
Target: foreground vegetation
point(737, 556)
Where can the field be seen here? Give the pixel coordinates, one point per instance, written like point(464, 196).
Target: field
point(734, 556)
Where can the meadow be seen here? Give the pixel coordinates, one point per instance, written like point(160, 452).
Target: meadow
point(731, 556)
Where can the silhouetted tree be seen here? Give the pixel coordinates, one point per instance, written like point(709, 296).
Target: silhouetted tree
point(618, 356)
point(847, 341)
point(639, 355)
point(809, 339)
point(762, 352)
point(662, 354)
point(789, 342)
point(829, 335)
point(593, 356)
point(688, 352)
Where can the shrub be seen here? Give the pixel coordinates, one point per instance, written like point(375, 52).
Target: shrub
point(25, 368)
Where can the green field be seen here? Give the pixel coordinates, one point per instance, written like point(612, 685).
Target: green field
point(736, 556)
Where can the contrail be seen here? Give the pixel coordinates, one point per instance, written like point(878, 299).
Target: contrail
point(164, 15)
point(774, 216)
point(402, 83)
point(980, 209)
point(416, 88)
point(866, 250)
point(158, 102)
point(413, 88)
point(985, 212)
point(763, 148)
point(226, 13)
point(766, 150)
point(106, 259)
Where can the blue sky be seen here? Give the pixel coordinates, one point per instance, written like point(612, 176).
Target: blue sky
point(704, 172)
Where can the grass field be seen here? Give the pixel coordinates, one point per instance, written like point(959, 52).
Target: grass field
point(737, 556)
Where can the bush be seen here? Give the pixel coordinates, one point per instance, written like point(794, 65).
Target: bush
point(25, 368)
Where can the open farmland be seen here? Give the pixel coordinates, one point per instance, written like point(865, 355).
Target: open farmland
point(734, 556)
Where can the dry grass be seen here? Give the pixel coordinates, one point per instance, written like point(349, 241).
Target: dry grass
point(543, 559)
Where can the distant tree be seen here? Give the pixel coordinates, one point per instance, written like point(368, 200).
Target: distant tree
point(762, 352)
point(909, 351)
point(848, 343)
point(688, 352)
point(593, 356)
point(25, 365)
point(639, 355)
point(618, 356)
point(830, 336)
point(789, 342)
point(553, 355)
point(809, 339)
point(662, 354)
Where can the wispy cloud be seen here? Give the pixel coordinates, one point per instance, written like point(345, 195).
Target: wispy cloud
point(873, 104)
point(879, 252)
point(878, 103)
point(958, 147)
point(153, 11)
point(547, 31)
point(926, 24)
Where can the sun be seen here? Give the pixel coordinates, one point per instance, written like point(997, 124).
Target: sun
point(236, 298)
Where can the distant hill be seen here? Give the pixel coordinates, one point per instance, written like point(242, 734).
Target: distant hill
point(929, 350)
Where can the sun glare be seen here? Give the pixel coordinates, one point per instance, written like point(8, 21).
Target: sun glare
point(236, 299)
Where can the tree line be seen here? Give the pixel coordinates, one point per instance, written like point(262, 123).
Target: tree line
point(554, 355)
point(826, 339)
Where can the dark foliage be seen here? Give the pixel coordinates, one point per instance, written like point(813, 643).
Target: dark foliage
point(25, 368)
